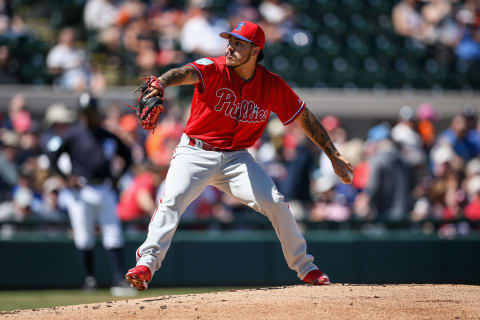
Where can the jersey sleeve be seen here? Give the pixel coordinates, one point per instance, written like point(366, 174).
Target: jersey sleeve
point(285, 103)
point(206, 68)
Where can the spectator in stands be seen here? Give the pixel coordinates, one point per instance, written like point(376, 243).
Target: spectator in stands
point(130, 10)
point(47, 206)
point(388, 194)
point(422, 210)
point(141, 48)
point(470, 114)
point(409, 22)
point(361, 171)
point(27, 207)
point(146, 58)
point(444, 185)
point(167, 19)
point(127, 128)
point(403, 132)
point(5, 8)
point(408, 139)
point(441, 15)
point(426, 117)
point(278, 19)
point(133, 32)
point(325, 171)
point(472, 210)
point(19, 209)
point(161, 144)
point(17, 27)
point(111, 122)
point(463, 141)
point(200, 32)
point(339, 137)
point(468, 48)
point(4, 24)
point(71, 66)
point(274, 11)
point(8, 168)
point(99, 15)
point(11, 26)
point(134, 136)
point(329, 205)
point(354, 151)
point(101, 19)
point(470, 185)
point(240, 10)
point(139, 199)
point(454, 197)
point(20, 120)
point(210, 204)
point(17, 118)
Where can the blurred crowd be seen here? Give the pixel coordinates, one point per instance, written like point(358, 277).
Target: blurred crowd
point(404, 171)
point(114, 42)
point(444, 23)
point(121, 40)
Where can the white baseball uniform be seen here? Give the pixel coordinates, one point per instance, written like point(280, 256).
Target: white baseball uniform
point(89, 205)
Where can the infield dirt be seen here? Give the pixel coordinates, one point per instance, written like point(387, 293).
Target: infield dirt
point(293, 302)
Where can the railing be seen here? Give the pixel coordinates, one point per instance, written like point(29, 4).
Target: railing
point(258, 222)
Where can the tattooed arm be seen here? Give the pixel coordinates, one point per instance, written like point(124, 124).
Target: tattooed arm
point(177, 77)
point(317, 133)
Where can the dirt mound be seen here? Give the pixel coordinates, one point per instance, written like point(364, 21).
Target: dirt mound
point(293, 302)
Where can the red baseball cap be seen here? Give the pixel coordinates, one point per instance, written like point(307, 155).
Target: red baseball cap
point(247, 31)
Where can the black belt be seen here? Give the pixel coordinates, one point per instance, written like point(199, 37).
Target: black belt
point(205, 146)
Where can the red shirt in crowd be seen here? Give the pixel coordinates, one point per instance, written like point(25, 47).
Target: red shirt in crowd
point(128, 208)
point(472, 210)
point(230, 113)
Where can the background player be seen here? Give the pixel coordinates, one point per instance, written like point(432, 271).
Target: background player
point(90, 197)
point(232, 101)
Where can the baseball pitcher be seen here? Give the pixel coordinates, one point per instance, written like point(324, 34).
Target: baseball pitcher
point(232, 102)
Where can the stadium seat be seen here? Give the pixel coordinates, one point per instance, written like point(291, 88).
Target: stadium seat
point(352, 6)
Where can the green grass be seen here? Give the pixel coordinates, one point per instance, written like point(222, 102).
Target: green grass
point(13, 300)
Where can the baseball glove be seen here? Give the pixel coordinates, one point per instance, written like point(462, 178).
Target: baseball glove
point(149, 109)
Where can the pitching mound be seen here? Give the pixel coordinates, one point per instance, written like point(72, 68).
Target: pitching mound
point(294, 302)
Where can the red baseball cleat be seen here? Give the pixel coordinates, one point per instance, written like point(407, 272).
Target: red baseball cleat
point(317, 278)
point(139, 277)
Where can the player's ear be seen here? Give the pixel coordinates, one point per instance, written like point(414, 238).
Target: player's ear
point(256, 51)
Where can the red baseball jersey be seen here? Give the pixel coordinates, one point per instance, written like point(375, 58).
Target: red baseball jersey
point(230, 113)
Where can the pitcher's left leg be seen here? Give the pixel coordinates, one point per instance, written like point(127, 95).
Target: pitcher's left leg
point(246, 181)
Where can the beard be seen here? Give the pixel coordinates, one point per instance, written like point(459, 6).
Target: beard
point(238, 63)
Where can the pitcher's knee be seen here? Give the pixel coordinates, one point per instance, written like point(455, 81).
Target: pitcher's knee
point(271, 202)
point(276, 198)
